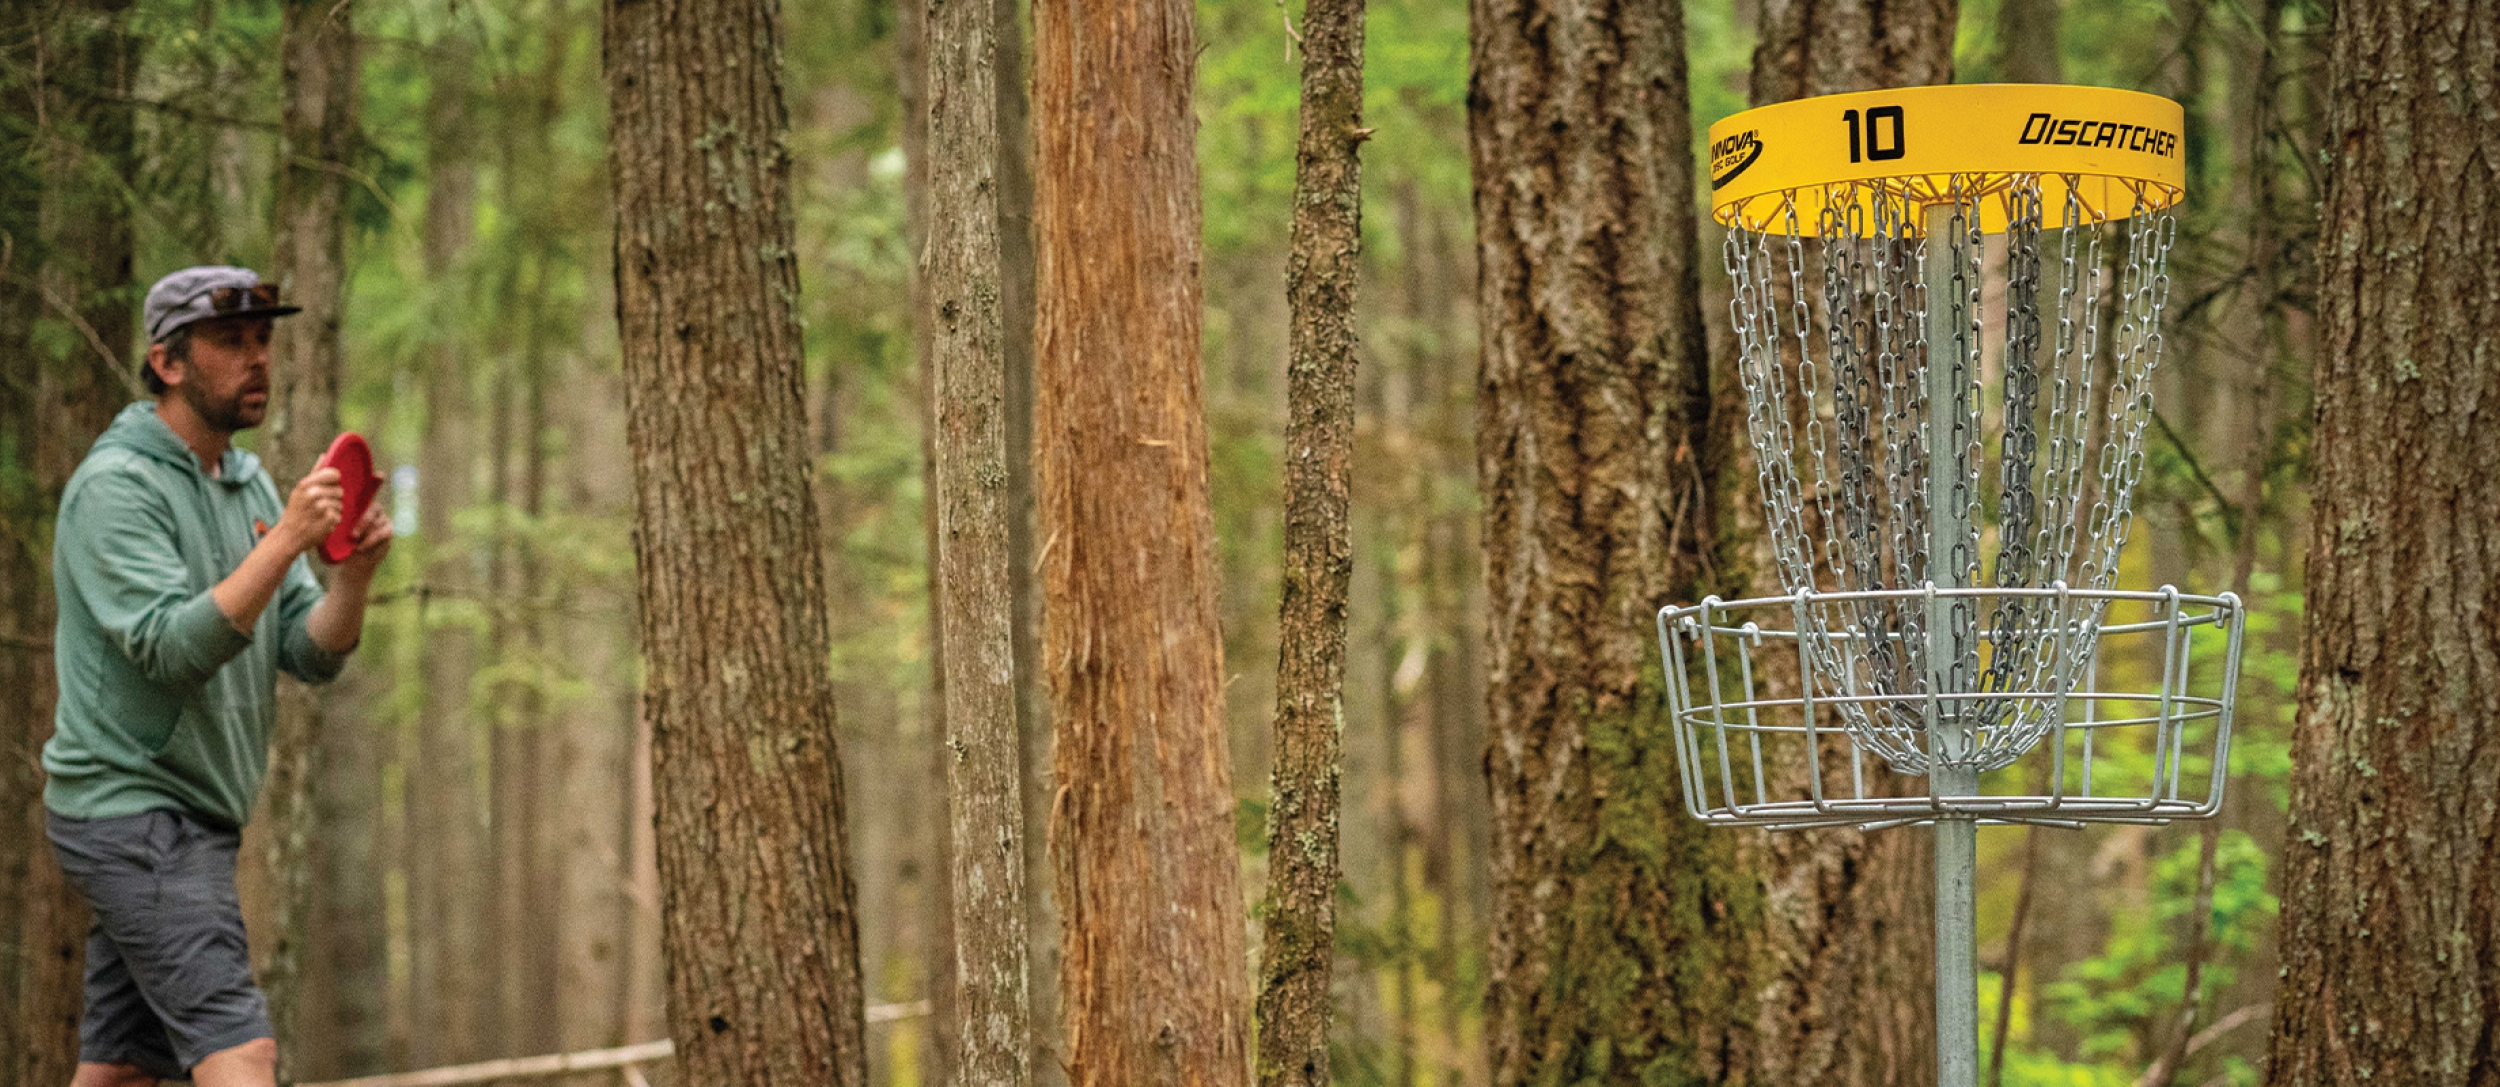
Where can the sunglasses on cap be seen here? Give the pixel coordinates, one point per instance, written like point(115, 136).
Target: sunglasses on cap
point(239, 299)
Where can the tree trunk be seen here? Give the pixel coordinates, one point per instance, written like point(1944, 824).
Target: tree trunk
point(68, 259)
point(317, 144)
point(446, 889)
point(542, 1003)
point(760, 937)
point(1454, 594)
point(1015, 297)
point(344, 1022)
point(1858, 932)
point(928, 853)
point(2391, 947)
point(1298, 950)
point(600, 809)
point(1153, 970)
point(976, 617)
point(2027, 41)
point(1811, 47)
point(1616, 919)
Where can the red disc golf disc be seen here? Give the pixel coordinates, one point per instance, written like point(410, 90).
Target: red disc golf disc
point(358, 482)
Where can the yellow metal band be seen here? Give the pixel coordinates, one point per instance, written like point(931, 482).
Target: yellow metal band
point(1779, 168)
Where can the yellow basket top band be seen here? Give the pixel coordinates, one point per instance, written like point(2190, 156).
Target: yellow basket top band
point(2119, 153)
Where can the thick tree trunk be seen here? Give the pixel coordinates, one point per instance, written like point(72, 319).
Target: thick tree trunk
point(760, 934)
point(976, 616)
point(1153, 972)
point(317, 143)
point(1298, 949)
point(1810, 47)
point(2391, 946)
point(70, 260)
point(1616, 920)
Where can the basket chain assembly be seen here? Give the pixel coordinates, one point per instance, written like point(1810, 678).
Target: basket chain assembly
point(1849, 508)
point(1948, 447)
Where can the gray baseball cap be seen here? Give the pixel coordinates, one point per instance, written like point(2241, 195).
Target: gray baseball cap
point(210, 290)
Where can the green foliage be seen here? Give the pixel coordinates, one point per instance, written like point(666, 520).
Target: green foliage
point(2122, 1002)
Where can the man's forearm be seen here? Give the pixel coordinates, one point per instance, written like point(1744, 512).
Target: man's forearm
point(338, 622)
point(247, 591)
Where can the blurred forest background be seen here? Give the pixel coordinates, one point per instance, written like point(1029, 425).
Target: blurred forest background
point(482, 866)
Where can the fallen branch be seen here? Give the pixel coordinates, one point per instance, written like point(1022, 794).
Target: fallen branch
point(557, 1064)
point(515, 1067)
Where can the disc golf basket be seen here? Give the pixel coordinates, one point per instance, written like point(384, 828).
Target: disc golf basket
point(1948, 306)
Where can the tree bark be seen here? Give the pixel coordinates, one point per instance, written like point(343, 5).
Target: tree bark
point(1811, 47)
point(976, 615)
point(2391, 945)
point(1298, 949)
point(1153, 969)
point(66, 252)
point(317, 143)
point(1616, 919)
point(1015, 297)
point(760, 935)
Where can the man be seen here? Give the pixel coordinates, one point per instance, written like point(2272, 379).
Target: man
point(183, 588)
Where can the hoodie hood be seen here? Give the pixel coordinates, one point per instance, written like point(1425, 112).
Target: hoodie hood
point(139, 430)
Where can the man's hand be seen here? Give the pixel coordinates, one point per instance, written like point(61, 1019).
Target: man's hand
point(373, 543)
point(338, 622)
point(312, 511)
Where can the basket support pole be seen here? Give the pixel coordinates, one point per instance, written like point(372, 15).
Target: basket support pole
point(1948, 525)
point(1957, 952)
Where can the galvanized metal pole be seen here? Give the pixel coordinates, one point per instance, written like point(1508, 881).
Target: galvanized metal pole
point(1948, 523)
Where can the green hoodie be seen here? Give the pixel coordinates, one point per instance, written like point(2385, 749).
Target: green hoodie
point(163, 704)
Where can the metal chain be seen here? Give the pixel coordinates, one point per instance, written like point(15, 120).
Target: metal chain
point(1842, 432)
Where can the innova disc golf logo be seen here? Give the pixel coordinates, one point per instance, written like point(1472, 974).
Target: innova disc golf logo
point(1732, 154)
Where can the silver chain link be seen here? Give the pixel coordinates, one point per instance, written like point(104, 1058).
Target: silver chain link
point(1847, 507)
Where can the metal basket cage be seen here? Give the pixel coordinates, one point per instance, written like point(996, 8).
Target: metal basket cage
point(2126, 720)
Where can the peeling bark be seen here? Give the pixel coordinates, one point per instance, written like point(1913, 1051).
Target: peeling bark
point(1153, 972)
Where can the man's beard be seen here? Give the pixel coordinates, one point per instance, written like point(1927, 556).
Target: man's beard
point(227, 415)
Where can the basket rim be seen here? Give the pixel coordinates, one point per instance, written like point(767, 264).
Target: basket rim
point(2055, 590)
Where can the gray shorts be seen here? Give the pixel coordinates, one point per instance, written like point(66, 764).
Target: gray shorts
point(169, 980)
